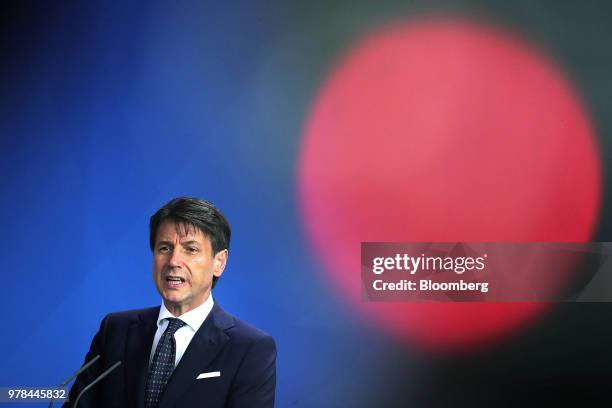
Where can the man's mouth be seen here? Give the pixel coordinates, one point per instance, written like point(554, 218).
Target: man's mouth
point(174, 281)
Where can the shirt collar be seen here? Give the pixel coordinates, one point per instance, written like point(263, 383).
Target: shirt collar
point(193, 318)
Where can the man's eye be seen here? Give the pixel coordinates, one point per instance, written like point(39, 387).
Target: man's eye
point(192, 250)
point(163, 249)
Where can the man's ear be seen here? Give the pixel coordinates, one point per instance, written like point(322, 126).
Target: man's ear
point(219, 261)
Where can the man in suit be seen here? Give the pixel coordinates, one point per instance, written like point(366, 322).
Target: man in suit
point(188, 352)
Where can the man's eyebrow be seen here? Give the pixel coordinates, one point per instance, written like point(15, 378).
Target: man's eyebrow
point(190, 242)
point(164, 243)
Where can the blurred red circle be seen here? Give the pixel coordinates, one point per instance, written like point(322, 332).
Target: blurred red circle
point(445, 130)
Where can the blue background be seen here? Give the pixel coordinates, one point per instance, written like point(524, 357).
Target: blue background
point(110, 109)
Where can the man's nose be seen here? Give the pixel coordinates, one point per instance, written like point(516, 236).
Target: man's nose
point(175, 259)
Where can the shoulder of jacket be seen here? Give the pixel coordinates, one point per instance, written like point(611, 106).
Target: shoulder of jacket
point(134, 314)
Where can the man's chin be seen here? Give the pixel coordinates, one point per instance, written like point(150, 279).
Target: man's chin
point(174, 299)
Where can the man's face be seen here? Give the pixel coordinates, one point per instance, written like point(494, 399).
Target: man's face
point(183, 266)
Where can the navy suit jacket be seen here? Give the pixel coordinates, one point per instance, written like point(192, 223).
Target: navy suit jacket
point(244, 355)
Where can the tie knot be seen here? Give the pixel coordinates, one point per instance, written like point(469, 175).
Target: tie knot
point(174, 325)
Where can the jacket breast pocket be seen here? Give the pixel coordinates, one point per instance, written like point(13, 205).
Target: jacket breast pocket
point(210, 390)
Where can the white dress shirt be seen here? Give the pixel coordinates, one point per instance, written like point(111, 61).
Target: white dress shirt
point(193, 320)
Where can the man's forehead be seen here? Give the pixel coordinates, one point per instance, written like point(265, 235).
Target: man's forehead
point(184, 230)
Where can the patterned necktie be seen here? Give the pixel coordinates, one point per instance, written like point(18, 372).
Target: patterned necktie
point(162, 364)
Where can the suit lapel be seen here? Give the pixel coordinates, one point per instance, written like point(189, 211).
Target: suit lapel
point(139, 343)
point(203, 348)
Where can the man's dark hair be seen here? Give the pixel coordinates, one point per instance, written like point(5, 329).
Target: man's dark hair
point(190, 212)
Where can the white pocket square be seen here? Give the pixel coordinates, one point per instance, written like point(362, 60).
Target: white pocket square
point(209, 375)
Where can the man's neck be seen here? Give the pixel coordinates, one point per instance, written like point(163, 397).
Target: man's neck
point(180, 309)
